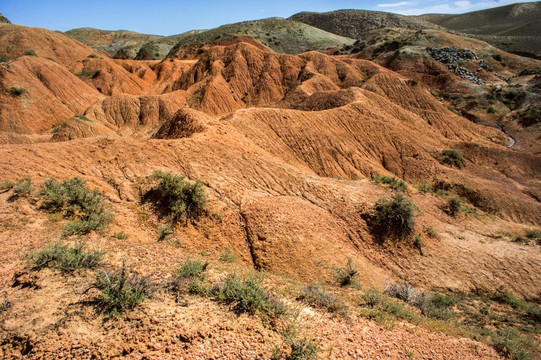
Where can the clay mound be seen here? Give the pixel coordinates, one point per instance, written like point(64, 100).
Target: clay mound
point(74, 128)
point(111, 78)
point(184, 123)
point(136, 116)
point(16, 40)
point(49, 95)
point(227, 78)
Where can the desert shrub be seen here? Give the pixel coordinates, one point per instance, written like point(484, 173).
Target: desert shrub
point(431, 232)
point(509, 342)
point(74, 200)
point(315, 296)
point(453, 206)
point(346, 276)
point(425, 188)
point(395, 216)
point(121, 235)
point(92, 56)
point(439, 306)
point(121, 291)
point(56, 129)
point(393, 182)
point(181, 198)
point(22, 187)
point(248, 295)
point(3, 58)
point(303, 349)
point(534, 235)
point(491, 110)
point(6, 185)
point(407, 293)
point(453, 157)
point(30, 52)
point(65, 258)
point(497, 57)
point(228, 256)
point(189, 277)
point(16, 91)
point(372, 297)
point(164, 231)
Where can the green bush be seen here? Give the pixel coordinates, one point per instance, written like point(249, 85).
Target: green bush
point(315, 296)
point(3, 58)
point(248, 295)
point(16, 91)
point(74, 200)
point(395, 216)
point(121, 291)
point(179, 197)
point(497, 57)
point(6, 185)
point(393, 182)
point(30, 52)
point(453, 157)
point(92, 56)
point(190, 277)
point(121, 235)
point(65, 258)
point(22, 187)
point(425, 188)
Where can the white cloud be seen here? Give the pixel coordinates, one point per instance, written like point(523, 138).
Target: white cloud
point(398, 4)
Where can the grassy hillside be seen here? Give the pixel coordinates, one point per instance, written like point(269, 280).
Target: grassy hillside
point(110, 41)
point(515, 28)
point(280, 35)
point(353, 23)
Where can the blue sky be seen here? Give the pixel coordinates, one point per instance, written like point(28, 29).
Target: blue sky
point(166, 17)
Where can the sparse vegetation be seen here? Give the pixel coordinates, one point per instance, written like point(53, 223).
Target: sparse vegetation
point(453, 157)
point(228, 256)
point(93, 56)
point(317, 297)
point(3, 58)
point(180, 198)
point(23, 187)
point(392, 181)
point(395, 216)
point(164, 231)
point(17, 91)
point(121, 291)
point(30, 52)
point(497, 57)
point(89, 74)
point(74, 200)
point(346, 276)
point(431, 232)
point(248, 295)
point(6, 185)
point(298, 349)
point(82, 117)
point(454, 206)
point(190, 277)
point(65, 258)
point(121, 235)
